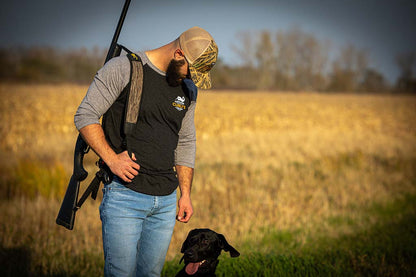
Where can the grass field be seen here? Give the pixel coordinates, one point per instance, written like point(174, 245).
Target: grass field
point(302, 184)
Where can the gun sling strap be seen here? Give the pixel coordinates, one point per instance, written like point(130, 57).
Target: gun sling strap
point(131, 115)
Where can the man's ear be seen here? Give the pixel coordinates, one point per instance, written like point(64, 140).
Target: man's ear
point(178, 54)
point(227, 247)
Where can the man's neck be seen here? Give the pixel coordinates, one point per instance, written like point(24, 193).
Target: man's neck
point(162, 56)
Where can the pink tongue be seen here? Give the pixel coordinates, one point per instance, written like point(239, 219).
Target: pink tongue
point(191, 268)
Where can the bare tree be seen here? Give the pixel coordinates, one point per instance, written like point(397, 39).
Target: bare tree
point(301, 60)
point(245, 48)
point(348, 70)
point(373, 82)
point(265, 60)
point(406, 63)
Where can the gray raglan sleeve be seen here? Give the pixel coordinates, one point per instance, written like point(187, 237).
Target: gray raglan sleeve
point(186, 149)
point(107, 85)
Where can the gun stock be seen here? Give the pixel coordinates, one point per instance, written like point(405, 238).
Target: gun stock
point(66, 215)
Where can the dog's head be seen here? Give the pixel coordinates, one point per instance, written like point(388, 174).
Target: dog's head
point(201, 250)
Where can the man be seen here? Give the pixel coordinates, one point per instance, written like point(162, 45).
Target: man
point(139, 205)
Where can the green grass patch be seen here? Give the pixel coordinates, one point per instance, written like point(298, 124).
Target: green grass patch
point(256, 264)
point(386, 248)
point(30, 178)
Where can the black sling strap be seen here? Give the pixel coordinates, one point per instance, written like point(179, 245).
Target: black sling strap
point(131, 114)
point(92, 188)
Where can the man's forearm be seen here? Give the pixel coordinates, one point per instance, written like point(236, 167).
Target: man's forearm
point(185, 177)
point(94, 136)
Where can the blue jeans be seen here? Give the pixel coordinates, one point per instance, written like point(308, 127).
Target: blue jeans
point(137, 229)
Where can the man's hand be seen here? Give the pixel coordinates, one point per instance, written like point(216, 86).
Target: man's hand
point(124, 167)
point(185, 209)
point(120, 164)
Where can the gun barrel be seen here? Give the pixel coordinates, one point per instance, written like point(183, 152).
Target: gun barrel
point(113, 44)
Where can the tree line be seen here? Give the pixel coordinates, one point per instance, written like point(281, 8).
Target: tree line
point(295, 60)
point(49, 65)
point(290, 60)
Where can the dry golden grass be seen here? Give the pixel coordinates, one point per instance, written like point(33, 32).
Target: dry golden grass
point(265, 161)
point(37, 121)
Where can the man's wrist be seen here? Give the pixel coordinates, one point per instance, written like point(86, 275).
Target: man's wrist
point(110, 159)
point(186, 195)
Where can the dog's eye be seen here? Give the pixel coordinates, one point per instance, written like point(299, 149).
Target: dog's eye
point(205, 242)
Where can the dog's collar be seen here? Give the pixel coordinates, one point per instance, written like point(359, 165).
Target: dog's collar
point(210, 261)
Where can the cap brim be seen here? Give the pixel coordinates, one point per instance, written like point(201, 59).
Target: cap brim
point(201, 80)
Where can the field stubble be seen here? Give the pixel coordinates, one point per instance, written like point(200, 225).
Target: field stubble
point(287, 162)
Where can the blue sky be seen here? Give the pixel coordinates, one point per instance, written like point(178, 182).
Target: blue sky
point(382, 27)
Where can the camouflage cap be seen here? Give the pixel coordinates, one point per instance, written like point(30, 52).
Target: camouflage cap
point(201, 53)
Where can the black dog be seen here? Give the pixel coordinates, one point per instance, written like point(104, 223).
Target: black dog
point(201, 250)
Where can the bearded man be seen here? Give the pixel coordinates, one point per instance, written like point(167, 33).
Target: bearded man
point(139, 204)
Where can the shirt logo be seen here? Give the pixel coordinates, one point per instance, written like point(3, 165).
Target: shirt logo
point(179, 103)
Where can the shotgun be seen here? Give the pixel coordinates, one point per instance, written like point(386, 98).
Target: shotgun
point(70, 204)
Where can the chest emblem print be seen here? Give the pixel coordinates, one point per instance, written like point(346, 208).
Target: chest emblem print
point(179, 103)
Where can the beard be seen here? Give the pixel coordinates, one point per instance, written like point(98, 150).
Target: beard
point(173, 75)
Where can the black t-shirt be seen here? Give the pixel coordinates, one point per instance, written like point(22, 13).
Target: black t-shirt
point(155, 136)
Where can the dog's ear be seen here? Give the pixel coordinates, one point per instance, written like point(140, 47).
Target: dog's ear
point(184, 246)
point(227, 247)
point(186, 242)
